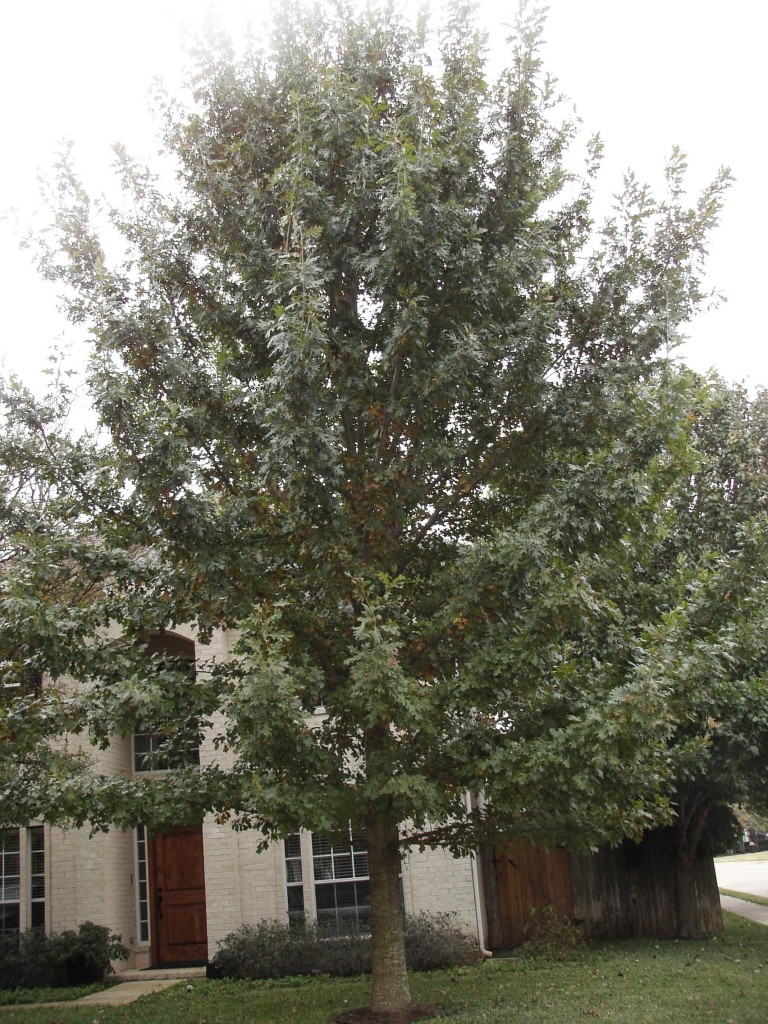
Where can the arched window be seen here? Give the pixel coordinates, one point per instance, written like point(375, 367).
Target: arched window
point(149, 738)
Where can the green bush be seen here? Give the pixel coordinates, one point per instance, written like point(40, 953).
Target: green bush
point(33, 959)
point(273, 950)
point(86, 954)
point(433, 941)
point(27, 961)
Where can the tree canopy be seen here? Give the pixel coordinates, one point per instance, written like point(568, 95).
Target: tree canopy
point(377, 397)
point(703, 593)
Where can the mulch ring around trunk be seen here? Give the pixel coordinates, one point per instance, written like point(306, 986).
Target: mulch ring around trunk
point(365, 1015)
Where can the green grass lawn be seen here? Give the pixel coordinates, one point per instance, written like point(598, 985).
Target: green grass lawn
point(16, 996)
point(716, 981)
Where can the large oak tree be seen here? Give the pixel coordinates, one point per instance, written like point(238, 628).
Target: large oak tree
point(376, 395)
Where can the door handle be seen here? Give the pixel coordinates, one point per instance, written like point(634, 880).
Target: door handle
point(159, 901)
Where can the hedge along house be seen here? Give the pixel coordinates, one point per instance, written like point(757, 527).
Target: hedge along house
point(174, 895)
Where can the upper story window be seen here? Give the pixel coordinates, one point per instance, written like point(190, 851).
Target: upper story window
point(148, 752)
point(17, 682)
point(151, 738)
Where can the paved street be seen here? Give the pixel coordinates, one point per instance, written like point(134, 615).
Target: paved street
point(743, 875)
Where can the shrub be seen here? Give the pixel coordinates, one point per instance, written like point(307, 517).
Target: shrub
point(274, 950)
point(33, 959)
point(26, 961)
point(552, 936)
point(86, 955)
point(433, 941)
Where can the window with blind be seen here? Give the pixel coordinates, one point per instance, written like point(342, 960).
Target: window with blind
point(22, 878)
point(339, 882)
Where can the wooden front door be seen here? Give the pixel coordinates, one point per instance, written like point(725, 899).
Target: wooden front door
point(177, 878)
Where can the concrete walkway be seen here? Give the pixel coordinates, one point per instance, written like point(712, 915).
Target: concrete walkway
point(754, 911)
point(132, 985)
point(117, 995)
point(127, 988)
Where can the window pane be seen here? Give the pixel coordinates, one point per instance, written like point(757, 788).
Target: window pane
point(293, 879)
point(320, 845)
point(342, 866)
point(9, 918)
point(142, 748)
point(361, 865)
point(295, 900)
point(325, 897)
point(341, 900)
point(10, 890)
point(293, 871)
point(293, 845)
point(38, 915)
point(323, 867)
point(10, 841)
point(345, 894)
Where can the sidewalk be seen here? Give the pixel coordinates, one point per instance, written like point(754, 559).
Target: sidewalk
point(754, 911)
point(135, 985)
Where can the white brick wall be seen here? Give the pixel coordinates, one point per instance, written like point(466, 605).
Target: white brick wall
point(435, 881)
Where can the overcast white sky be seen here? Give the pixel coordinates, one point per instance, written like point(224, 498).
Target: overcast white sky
point(646, 74)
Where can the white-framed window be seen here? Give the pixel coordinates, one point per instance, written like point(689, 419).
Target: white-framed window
point(36, 843)
point(340, 890)
point(148, 753)
point(151, 738)
point(294, 878)
point(14, 684)
point(142, 889)
point(340, 871)
point(22, 878)
point(10, 880)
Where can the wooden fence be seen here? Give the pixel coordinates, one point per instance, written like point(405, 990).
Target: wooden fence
point(625, 892)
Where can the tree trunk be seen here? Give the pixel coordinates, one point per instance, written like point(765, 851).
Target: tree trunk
point(390, 989)
point(688, 829)
point(687, 898)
